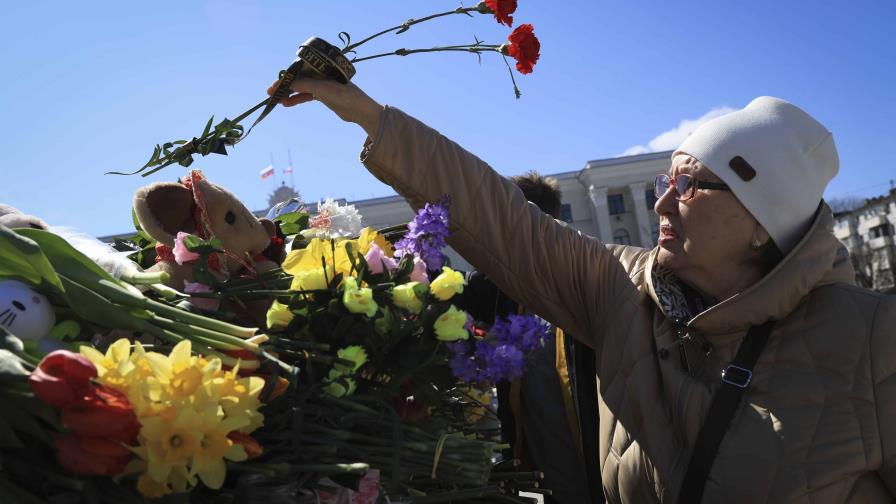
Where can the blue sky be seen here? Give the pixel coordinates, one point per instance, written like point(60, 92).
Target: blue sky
point(92, 86)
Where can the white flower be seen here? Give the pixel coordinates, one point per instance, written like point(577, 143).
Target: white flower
point(333, 221)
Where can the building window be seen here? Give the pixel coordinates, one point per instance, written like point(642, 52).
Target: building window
point(621, 237)
point(566, 212)
point(650, 197)
point(882, 230)
point(616, 204)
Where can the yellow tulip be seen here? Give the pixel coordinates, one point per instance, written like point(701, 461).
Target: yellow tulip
point(450, 325)
point(447, 284)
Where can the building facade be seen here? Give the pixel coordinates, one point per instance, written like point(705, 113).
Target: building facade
point(868, 233)
point(611, 199)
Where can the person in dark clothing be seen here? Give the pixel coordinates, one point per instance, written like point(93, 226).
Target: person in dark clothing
point(549, 416)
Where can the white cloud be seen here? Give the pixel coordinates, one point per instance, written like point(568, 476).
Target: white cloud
point(670, 139)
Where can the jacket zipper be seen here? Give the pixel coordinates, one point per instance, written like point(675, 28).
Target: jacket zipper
point(681, 333)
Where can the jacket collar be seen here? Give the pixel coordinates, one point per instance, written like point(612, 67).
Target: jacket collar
point(818, 259)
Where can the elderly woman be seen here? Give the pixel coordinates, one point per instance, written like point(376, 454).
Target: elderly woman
point(737, 361)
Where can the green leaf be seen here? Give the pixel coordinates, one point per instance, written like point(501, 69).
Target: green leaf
point(11, 365)
point(24, 259)
point(10, 342)
point(208, 127)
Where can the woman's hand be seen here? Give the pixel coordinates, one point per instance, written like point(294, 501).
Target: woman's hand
point(346, 100)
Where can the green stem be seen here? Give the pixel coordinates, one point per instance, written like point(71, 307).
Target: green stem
point(407, 24)
point(198, 320)
point(145, 277)
point(405, 52)
point(219, 340)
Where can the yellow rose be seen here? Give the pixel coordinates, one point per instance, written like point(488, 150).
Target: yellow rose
point(450, 325)
point(312, 279)
point(279, 315)
point(358, 300)
point(406, 296)
point(447, 284)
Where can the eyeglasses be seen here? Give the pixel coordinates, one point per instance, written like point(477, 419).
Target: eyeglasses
point(685, 185)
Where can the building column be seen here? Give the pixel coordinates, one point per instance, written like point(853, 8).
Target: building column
point(601, 212)
point(642, 220)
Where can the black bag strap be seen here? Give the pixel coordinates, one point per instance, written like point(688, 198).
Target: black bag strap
point(735, 380)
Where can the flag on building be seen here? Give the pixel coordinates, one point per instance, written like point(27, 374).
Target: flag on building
point(267, 172)
point(288, 169)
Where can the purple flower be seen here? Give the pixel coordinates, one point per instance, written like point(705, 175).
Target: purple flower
point(502, 362)
point(427, 234)
point(527, 332)
point(461, 363)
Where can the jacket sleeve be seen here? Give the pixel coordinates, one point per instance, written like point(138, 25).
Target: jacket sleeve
point(883, 372)
point(557, 272)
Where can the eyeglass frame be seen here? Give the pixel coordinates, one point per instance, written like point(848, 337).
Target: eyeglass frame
point(692, 182)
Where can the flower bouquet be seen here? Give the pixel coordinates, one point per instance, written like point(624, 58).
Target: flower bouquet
point(368, 377)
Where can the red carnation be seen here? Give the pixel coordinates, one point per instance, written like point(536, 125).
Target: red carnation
point(502, 9)
point(523, 47)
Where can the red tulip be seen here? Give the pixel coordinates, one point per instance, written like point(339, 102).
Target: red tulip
point(62, 378)
point(250, 444)
point(83, 456)
point(106, 413)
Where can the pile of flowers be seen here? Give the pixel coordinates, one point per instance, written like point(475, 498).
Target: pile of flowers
point(172, 419)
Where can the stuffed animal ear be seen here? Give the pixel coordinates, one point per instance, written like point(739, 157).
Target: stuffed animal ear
point(269, 226)
point(163, 209)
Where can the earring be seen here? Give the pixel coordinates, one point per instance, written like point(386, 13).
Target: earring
point(755, 243)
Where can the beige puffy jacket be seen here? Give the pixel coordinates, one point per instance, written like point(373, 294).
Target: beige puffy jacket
point(818, 422)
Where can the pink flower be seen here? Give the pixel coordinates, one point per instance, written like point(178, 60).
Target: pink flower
point(180, 251)
point(376, 259)
point(210, 304)
point(419, 273)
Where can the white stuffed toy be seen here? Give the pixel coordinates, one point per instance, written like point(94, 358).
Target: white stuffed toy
point(25, 312)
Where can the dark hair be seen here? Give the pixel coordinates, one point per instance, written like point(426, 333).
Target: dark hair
point(543, 191)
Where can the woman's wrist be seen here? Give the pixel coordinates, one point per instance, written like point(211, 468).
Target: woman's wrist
point(369, 117)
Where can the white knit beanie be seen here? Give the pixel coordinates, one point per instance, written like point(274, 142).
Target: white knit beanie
point(777, 160)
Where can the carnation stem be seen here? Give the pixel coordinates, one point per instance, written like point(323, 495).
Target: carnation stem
point(471, 48)
point(407, 24)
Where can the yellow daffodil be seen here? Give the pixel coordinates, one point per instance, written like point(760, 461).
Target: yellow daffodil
point(409, 296)
point(450, 325)
point(358, 299)
point(447, 284)
point(279, 315)
point(187, 406)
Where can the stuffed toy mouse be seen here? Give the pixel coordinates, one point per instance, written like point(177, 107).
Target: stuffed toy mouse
point(12, 218)
point(196, 206)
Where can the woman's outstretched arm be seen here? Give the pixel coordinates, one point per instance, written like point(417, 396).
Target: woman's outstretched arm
point(569, 279)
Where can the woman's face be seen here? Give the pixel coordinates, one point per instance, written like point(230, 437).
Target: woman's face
point(708, 236)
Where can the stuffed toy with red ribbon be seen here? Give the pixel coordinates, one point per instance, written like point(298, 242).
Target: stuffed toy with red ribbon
point(198, 207)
